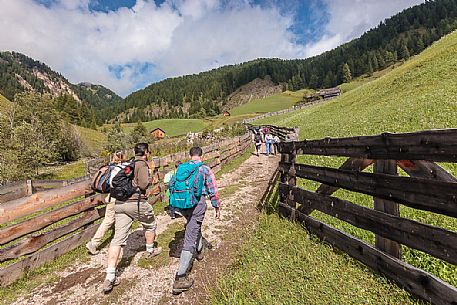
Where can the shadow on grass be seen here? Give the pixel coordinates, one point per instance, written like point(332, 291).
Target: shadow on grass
point(175, 245)
point(270, 199)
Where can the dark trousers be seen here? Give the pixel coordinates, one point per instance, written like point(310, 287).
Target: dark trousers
point(276, 147)
point(193, 233)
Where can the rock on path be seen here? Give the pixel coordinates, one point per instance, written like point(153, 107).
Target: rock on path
point(241, 191)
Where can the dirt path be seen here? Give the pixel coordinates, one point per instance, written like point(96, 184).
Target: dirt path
point(241, 191)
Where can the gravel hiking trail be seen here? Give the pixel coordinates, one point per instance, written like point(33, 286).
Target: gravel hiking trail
point(241, 191)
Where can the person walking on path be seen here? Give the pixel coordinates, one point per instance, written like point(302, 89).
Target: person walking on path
point(201, 182)
point(268, 143)
point(108, 221)
point(166, 180)
point(134, 207)
point(258, 143)
point(276, 141)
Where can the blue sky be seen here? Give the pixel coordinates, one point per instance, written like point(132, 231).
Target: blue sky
point(128, 44)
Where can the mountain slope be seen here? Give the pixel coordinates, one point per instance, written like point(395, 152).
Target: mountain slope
point(4, 103)
point(421, 94)
point(20, 73)
point(399, 37)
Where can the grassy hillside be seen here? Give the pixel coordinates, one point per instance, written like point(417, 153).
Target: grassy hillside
point(420, 94)
point(272, 103)
point(172, 127)
point(361, 80)
point(93, 140)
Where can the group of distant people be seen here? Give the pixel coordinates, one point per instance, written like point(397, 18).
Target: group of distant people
point(262, 135)
point(126, 184)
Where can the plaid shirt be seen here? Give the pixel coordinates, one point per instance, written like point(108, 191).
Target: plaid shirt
point(210, 189)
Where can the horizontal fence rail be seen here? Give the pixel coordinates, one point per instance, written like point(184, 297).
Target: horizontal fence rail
point(16, 190)
point(37, 228)
point(428, 187)
point(433, 145)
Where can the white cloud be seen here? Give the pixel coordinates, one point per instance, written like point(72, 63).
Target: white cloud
point(82, 44)
point(221, 37)
point(177, 37)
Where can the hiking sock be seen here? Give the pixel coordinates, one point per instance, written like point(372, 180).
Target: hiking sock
point(111, 273)
point(150, 248)
point(184, 262)
point(200, 243)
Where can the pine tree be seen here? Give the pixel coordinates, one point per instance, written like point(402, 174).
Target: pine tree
point(139, 133)
point(404, 52)
point(346, 72)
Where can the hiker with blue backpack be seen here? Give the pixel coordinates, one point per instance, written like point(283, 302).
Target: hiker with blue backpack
point(128, 187)
point(189, 187)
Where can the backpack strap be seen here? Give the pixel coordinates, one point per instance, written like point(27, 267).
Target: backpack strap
point(139, 191)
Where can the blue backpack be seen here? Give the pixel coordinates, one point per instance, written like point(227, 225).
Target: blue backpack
point(186, 186)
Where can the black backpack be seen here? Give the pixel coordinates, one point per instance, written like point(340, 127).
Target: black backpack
point(122, 183)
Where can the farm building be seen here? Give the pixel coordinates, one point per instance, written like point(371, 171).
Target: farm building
point(158, 133)
point(226, 113)
point(329, 93)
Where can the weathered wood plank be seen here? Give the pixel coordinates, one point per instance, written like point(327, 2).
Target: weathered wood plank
point(436, 241)
point(17, 208)
point(388, 167)
point(351, 164)
point(426, 170)
point(416, 281)
point(13, 191)
point(433, 145)
point(41, 221)
point(34, 243)
point(425, 194)
point(14, 271)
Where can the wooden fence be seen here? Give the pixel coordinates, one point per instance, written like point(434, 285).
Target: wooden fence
point(285, 134)
point(428, 187)
point(37, 228)
point(19, 189)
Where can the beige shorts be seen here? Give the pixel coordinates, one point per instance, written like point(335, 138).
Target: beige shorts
point(126, 212)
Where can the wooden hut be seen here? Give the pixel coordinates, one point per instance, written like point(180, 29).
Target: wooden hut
point(158, 133)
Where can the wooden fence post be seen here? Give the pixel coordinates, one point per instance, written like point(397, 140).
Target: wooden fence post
point(29, 187)
point(292, 181)
point(393, 248)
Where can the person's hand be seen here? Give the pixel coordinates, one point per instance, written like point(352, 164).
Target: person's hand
point(218, 213)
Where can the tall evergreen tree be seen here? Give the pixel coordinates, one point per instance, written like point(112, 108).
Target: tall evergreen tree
point(346, 73)
point(404, 52)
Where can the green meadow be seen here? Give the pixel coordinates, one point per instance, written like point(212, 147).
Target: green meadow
point(271, 103)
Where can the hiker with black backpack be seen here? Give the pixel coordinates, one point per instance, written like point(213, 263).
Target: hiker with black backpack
point(108, 221)
point(189, 187)
point(128, 187)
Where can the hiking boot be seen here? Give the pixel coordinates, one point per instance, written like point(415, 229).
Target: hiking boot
point(200, 254)
point(108, 285)
point(182, 283)
point(149, 255)
point(92, 248)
